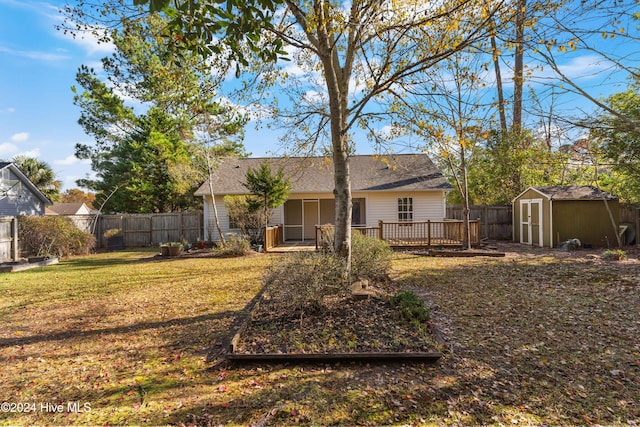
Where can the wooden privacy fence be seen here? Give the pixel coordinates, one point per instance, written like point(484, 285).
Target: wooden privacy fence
point(495, 221)
point(414, 234)
point(8, 238)
point(150, 229)
point(630, 217)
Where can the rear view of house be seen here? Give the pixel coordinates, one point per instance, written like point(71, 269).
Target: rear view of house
point(546, 216)
point(400, 188)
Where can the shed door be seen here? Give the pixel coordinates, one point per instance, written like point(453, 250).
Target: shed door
point(531, 222)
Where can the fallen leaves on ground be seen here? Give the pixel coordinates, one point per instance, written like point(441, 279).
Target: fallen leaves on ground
point(539, 337)
point(342, 325)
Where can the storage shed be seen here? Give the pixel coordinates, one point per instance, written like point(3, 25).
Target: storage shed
point(546, 216)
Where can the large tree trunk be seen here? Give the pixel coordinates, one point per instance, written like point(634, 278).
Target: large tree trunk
point(342, 193)
point(518, 69)
point(496, 66)
point(466, 229)
point(337, 80)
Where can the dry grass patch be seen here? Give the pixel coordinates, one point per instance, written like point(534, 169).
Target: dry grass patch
point(124, 334)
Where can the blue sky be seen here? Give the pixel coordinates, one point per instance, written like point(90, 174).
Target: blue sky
point(37, 115)
point(37, 69)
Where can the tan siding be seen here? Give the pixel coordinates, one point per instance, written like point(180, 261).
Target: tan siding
point(428, 205)
point(586, 220)
point(384, 206)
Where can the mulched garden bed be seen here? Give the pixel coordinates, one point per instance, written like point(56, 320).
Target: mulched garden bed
point(347, 328)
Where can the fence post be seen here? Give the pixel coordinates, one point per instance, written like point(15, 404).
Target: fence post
point(14, 231)
point(124, 229)
point(151, 242)
point(429, 232)
point(380, 229)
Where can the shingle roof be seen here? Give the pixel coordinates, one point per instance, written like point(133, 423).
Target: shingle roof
point(402, 172)
point(67, 208)
point(567, 192)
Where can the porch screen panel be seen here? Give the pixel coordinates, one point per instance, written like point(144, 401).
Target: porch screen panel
point(293, 220)
point(358, 215)
point(327, 211)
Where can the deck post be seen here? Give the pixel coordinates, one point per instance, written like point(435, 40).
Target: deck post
point(429, 233)
point(380, 230)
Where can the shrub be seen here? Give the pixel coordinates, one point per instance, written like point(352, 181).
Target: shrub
point(235, 246)
point(53, 235)
point(410, 308)
point(246, 218)
point(112, 232)
point(370, 257)
point(303, 280)
point(614, 255)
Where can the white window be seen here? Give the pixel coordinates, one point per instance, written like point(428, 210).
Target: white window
point(405, 209)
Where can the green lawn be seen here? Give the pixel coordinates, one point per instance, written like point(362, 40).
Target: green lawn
point(533, 339)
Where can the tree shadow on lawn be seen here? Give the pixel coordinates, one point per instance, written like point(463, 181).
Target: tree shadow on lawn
point(88, 333)
point(120, 369)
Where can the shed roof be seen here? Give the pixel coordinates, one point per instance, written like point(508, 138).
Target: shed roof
point(572, 192)
point(402, 172)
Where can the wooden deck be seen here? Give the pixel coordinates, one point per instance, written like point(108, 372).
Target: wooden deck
point(294, 246)
point(425, 234)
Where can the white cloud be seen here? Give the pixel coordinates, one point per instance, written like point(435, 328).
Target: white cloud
point(91, 44)
point(70, 161)
point(7, 110)
point(31, 153)
point(20, 137)
point(33, 54)
point(585, 67)
point(7, 150)
point(315, 97)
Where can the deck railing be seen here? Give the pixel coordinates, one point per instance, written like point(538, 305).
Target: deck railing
point(413, 234)
point(428, 233)
point(273, 236)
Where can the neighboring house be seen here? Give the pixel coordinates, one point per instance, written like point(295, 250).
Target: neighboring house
point(70, 209)
point(49, 212)
point(394, 188)
point(18, 195)
point(546, 216)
